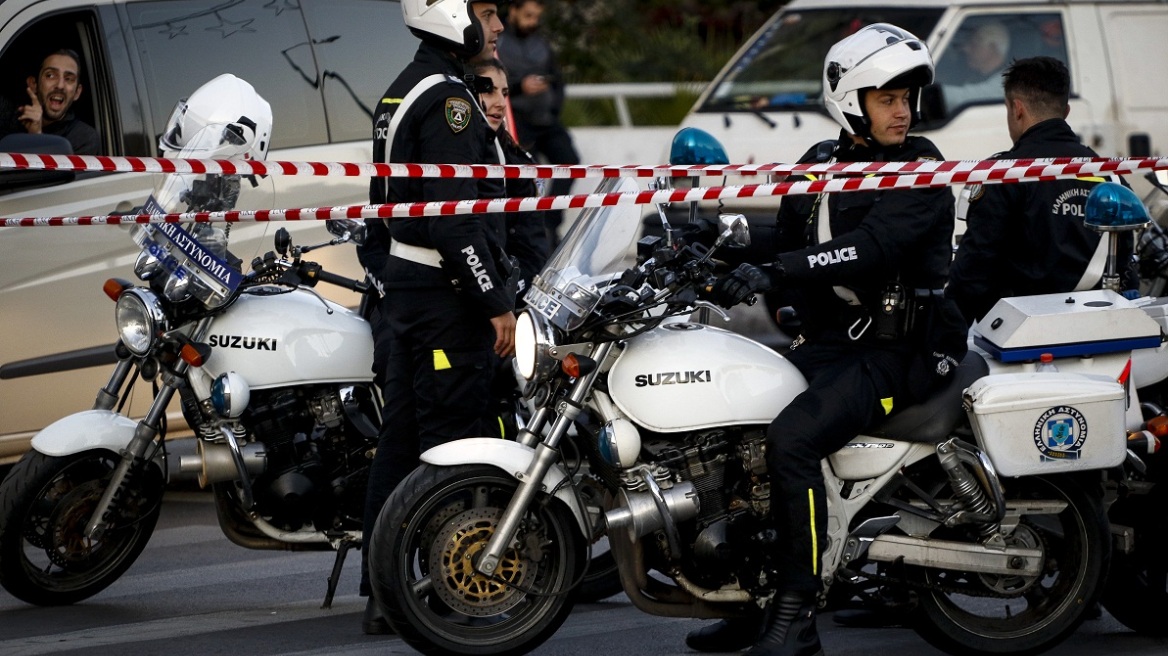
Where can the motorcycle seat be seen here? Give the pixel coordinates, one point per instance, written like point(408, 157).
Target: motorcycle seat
point(933, 420)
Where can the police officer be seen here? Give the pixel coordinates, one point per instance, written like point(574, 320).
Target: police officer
point(448, 285)
point(865, 273)
point(1029, 238)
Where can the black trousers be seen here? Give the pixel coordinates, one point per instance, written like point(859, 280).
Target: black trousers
point(851, 387)
point(438, 376)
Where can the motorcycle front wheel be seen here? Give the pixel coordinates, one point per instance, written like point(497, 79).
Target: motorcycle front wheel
point(423, 552)
point(45, 503)
point(971, 613)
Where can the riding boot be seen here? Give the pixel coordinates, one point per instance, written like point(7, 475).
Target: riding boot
point(733, 634)
point(373, 622)
point(791, 628)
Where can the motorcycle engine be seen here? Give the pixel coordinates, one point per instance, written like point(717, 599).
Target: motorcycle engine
point(313, 474)
point(731, 537)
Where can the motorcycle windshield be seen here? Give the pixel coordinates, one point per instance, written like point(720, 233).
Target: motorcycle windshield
point(194, 256)
point(599, 245)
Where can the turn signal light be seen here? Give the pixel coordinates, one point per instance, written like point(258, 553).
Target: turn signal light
point(1158, 426)
point(577, 365)
point(1143, 442)
point(191, 355)
point(114, 287)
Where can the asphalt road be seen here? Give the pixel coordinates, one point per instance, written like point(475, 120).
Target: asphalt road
point(193, 592)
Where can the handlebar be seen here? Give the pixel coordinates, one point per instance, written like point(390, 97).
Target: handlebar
point(311, 271)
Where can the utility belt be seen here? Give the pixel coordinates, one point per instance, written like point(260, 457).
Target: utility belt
point(508, 267)
point(897, 315)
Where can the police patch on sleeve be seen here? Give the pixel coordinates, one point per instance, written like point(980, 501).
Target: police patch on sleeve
point(457, 114)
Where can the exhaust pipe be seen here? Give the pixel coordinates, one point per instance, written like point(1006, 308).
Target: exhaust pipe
point(214, 463)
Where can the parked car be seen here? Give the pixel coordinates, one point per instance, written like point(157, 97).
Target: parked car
point(322, 64)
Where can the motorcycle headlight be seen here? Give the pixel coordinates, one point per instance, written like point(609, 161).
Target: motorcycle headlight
point(230, 395)
point(533, 343)
point(139, 318)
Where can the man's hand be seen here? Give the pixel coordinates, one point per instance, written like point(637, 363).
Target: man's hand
point(32, 114)
point(504, 326)
point(734, 287)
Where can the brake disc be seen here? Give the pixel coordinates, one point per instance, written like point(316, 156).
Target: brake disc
point(452, 560)
point(68, 544)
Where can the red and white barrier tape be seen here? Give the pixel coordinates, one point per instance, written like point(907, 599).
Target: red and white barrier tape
point(1037, 172)
point(347, 169)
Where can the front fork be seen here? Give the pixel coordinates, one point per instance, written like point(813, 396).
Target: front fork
point(531, 480)
point(144, 435)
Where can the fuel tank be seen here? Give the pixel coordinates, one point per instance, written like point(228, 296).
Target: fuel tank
point(290, 338)
point(689, 376)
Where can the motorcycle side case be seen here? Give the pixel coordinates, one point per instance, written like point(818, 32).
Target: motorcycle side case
point(689, 376)
point(1048, 422)
point(291, 338)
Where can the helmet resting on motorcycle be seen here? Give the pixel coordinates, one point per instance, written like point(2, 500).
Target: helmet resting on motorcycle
point(229, 104)
point(878, 56)
point(447, 24)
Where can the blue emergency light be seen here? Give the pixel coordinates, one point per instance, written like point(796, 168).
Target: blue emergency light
point(1112, 207)
point(694, 147)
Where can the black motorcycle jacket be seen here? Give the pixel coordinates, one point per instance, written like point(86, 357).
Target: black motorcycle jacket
point(443, 126)
point(878, 240)
point(1029, 238)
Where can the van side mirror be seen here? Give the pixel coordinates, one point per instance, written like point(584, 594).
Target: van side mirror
point(932, 104)
point(39, 144)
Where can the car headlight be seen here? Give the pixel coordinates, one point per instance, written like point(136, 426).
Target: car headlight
point(139, 318)
point(533, 343)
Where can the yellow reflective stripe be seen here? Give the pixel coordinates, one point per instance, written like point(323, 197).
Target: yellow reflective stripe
point(502, 428)
point(811, 177)
point(814, 537)
point(392, 101)
point(1093, 179)
point(441, 362)
point(887, 405)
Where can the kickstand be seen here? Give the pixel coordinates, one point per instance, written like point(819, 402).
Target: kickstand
point(335, 577)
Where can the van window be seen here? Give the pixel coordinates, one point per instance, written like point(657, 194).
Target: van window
point(360, 45)
point(182, 45)
point(783, 68)
point(969, 70)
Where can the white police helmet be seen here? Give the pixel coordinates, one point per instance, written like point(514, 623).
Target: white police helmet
point(447, 24)
point(240, 117)
point(878, 56)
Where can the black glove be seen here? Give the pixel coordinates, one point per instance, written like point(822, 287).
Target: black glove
point(734, 287)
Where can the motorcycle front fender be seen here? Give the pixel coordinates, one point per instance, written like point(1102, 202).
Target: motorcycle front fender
point(86, 431)
point(511, 457)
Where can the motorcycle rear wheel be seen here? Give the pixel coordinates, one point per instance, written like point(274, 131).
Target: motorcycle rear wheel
point(1020, 615)
point(422, 554)
point(45, 503)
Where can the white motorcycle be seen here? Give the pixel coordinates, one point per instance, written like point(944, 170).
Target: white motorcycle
point(274, 380)
point(987, 501)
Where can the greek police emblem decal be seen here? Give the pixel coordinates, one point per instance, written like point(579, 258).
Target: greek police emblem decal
point(457, 114)
point(1060, 433)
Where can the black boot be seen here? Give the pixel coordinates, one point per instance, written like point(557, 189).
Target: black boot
point(373, 622)
point(732, 634)
point(791, 628)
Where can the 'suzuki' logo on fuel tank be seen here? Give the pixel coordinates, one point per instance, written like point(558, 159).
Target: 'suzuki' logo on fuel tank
point(241, 342)
point(673, 378)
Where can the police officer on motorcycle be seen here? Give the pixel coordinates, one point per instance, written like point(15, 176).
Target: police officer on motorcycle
point(448, 307)
point(865, 271)
point(1029, 238)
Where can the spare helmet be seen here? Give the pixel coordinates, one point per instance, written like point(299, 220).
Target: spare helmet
point(241, 118)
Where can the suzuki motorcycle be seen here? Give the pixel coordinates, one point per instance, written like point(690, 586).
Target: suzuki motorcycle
point(273, 379)
point(986, 501)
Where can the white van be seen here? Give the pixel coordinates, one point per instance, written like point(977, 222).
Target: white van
point(766, 105)
point(322, 64)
